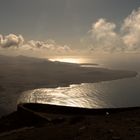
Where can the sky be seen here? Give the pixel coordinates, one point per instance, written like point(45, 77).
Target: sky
point(70, 24)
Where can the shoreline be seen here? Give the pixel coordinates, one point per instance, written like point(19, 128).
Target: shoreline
point(23, 73)
point(67, 85)
point(29, 73)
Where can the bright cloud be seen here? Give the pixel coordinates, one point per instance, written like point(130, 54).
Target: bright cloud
point(17, 42)
point(102, 28)
point(131, 27)
point(49, 45)
point(103, 35)
point(11, 40)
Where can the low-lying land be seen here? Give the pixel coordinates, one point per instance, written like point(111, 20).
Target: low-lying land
point(29, 73)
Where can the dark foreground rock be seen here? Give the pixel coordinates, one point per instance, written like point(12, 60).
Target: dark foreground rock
point(118, 125)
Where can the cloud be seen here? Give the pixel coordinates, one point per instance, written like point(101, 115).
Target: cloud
point(49, 45)
point(102, 28)
point(11, 40)
point(104, 35)
point(131, 29)
point(18, 43)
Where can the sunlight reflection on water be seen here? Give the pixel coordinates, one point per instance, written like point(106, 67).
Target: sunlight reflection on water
point(111, 94)
point(118, 93)
point(74, 95)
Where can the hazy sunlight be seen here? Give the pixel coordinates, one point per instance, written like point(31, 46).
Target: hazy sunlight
point(68, 60)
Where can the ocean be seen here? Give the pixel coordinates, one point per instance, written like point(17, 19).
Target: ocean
point(116, 93)
point(109, 94)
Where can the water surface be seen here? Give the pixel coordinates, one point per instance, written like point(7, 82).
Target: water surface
point(117, 93)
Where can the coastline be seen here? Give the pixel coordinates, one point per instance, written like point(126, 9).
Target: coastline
point(25, 73)
point(24, 77)
point(110, 124)
point(30, 74)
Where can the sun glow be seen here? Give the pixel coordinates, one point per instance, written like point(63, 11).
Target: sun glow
point(68, 60)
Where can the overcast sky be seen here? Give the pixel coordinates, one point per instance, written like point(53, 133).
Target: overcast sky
point(62, 20)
